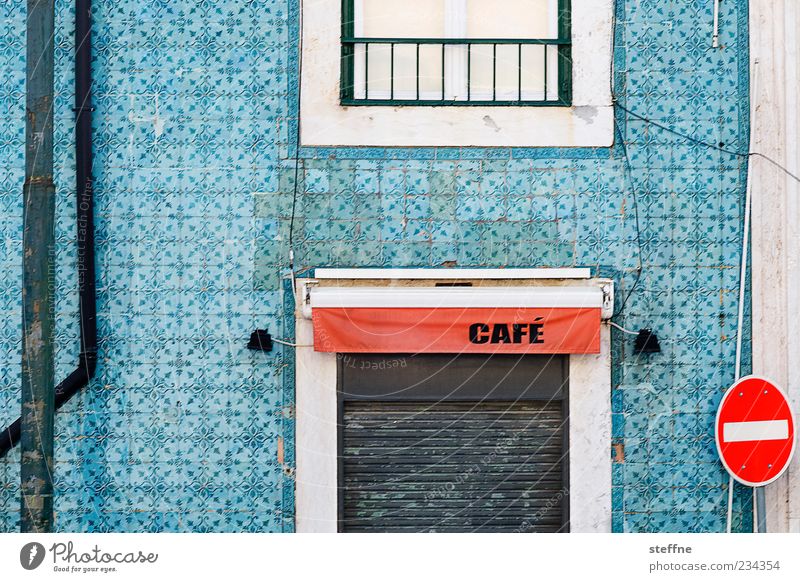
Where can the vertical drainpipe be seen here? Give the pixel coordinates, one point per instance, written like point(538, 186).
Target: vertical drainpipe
point(87, 359)
point(38, 238)
point(84, 187)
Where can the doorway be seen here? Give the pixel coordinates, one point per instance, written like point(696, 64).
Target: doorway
point(453, 442)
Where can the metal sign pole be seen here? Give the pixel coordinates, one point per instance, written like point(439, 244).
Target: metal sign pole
point(715, 34)
point(760, 516)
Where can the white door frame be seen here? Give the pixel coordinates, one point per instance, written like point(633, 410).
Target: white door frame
point(317, 448)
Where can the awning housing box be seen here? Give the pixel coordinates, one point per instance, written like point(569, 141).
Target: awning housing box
point(362, 312)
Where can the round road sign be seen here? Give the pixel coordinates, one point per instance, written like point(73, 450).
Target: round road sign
point(755, 431)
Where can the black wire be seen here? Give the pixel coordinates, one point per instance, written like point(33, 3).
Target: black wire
point(690, 139)
point(628, 169)
point(629, 172)
point(708, 145)
point(297, 132)
point(617, 128)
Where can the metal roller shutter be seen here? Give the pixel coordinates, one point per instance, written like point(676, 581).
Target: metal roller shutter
point(450, 464)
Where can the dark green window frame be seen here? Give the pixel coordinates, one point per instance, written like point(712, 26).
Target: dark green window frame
point(562, 44)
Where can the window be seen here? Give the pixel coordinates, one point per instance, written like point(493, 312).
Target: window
point(456, 52)
point(525, 73)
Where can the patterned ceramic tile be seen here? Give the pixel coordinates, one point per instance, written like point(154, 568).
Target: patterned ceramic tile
point(186, 430)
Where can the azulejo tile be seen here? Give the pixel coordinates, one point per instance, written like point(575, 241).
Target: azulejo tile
point(193, 222)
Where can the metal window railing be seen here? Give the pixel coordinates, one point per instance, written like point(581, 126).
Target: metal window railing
point(512, 71)
point(456, 71)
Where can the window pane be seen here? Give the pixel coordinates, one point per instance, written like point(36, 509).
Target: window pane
point(430, 76)
point(359, 59)
point(505, 80)
point(533, 72)
point(456, 18)
point(480, 72)
point(507, 73)
point(405, 71)
point(379, 70)
point(394, 19)
point(455, 66)
point(512, 19)
point(480, 81)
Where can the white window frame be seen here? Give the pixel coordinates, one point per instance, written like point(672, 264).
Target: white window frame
point(589, 122)
point(316, 485)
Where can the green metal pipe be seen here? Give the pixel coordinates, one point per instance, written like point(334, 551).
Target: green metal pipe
point(38, 239)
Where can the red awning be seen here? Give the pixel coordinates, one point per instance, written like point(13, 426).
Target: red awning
point(517, 320)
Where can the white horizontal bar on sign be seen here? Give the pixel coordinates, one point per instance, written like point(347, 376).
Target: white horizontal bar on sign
point(580, 273)
point(755, 430)
point(493, 297)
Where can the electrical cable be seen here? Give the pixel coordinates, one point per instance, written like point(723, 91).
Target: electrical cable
point(784, 169)
point(292, 345)
point(745, 244)
point(297, 133)
point(746, 226)
point(296, 149)
point(629, 173)
point(296, 154)
point(622, 329)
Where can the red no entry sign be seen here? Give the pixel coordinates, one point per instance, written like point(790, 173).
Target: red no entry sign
point(755, 431)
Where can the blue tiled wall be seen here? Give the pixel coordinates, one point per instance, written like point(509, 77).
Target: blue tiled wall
point(184, 429)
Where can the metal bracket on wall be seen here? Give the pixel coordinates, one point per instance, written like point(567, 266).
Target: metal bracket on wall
point(305, 293)
point(607, 309)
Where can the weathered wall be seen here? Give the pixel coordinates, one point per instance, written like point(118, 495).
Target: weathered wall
point(180, 430)
point(184, 429)
point(775, 27)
